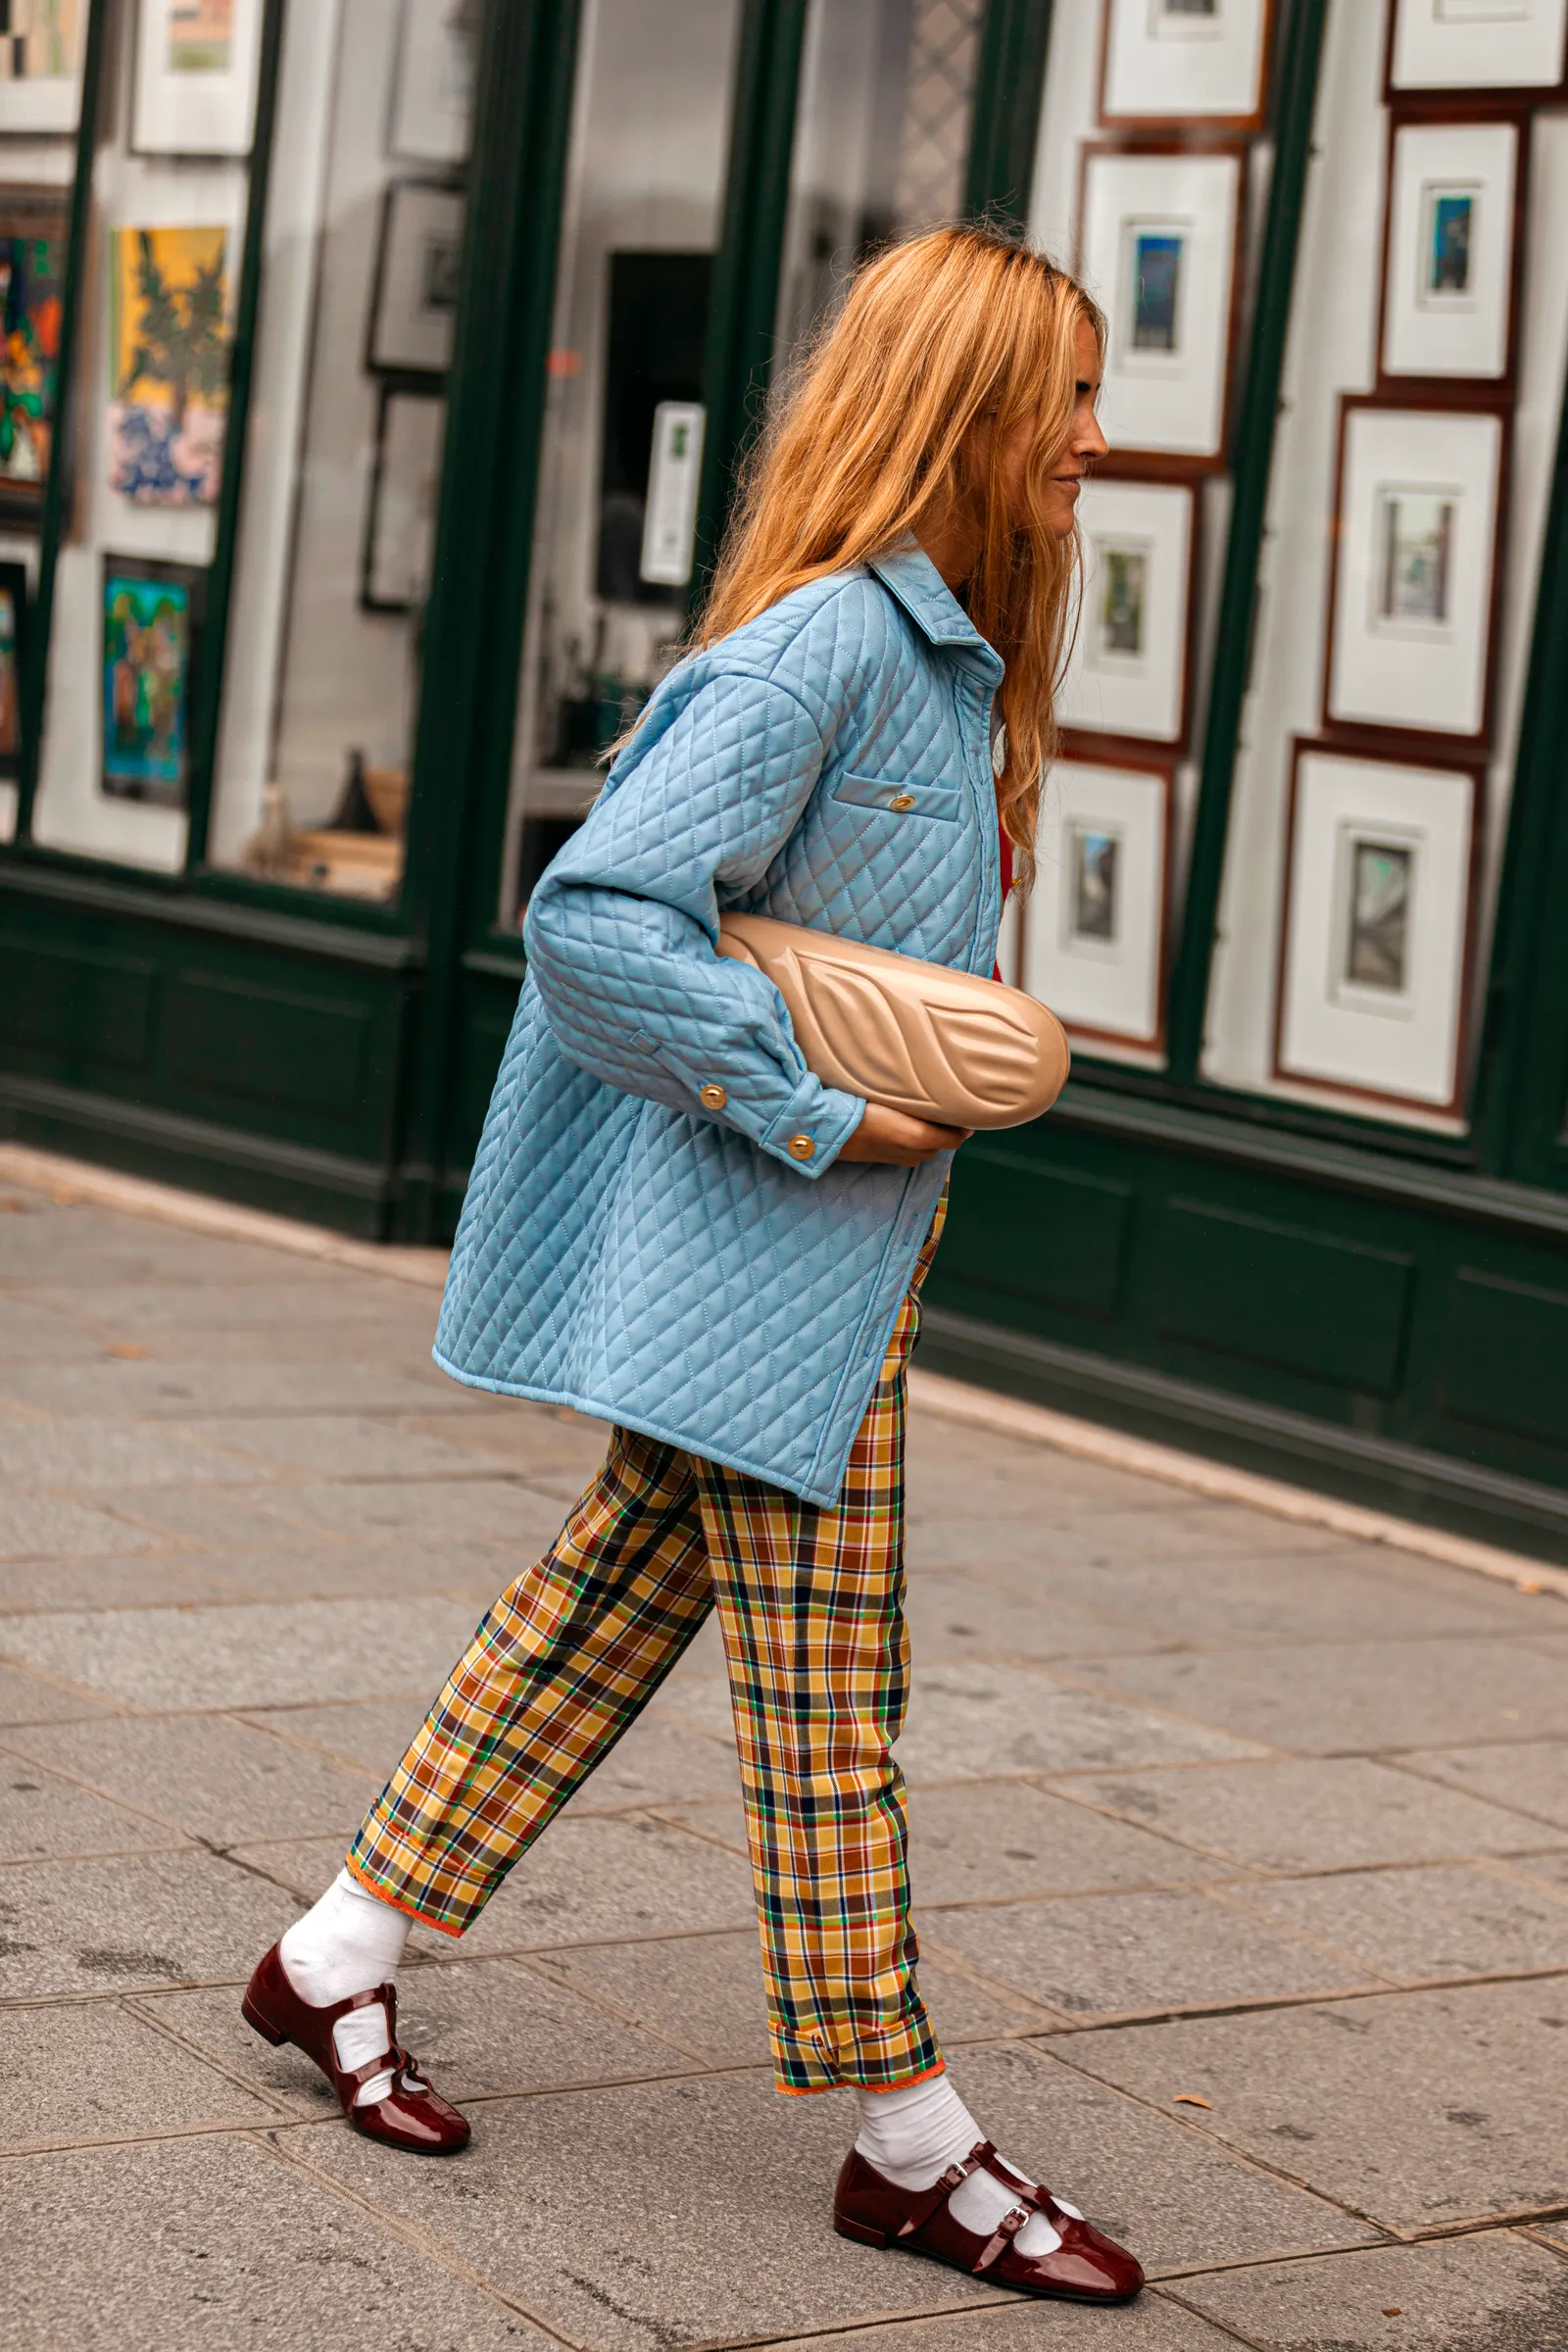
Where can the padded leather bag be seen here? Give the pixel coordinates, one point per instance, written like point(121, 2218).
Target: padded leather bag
point(916, 1036)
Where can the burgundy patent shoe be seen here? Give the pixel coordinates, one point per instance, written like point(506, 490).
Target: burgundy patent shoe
point(1086, 2268)
point(412, 2116)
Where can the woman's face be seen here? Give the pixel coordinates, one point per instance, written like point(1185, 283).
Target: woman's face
point(1084, 443)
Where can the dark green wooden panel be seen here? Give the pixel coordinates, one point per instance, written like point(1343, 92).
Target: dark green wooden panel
point(247, 1040)
point(1035, 1233)
point(1281, 1295)
point(1505, 1357)
point(77, 1004)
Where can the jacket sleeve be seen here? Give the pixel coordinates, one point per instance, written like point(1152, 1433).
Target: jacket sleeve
point(621, 933)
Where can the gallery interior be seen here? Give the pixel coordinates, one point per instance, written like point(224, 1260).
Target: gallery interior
point(374, 379)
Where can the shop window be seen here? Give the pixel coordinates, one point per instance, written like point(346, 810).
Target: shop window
point(363, 251)
point(882, 139)
point(622, 443)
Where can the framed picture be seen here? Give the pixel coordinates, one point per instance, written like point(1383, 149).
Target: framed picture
point(196, 64)
point(34, 228)
point(1376, 935)
point(414, 303)
point(15, 606)
point(42, 45)
point(404, 484)
point(153, 615)
point(170, 336)
point(1164, 62)
point(1457, 45)
point(432, 86)
point(1418, 505)
point(1159, 243)
point(1094, 930)
point(1451, 250)
point(1127, 672)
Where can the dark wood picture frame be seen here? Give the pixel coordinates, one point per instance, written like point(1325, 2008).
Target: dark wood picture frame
point(1421, 114)
point(391, 388)
point(34, 213)
point(15, 583)
point(1475, 767)
point(1143, 761)
point(376, 360)
point(194, 579)
point(1127, 750)
point(1475, 99)
point(1395, 739)
point(1166, 464)
point(1248, 123)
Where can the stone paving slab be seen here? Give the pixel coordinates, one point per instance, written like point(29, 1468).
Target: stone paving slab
point(113, 1926)
point(1292, 1814)
point(207, 1775)
point(42, 1815)
point(1332, 1699)
point(1529, 1775)
point(1113, 1954)
point(39, 1526)
point(1421, 2109)
point(42, 1698)
point(1443, 1919)
point(203, 2245)
point(105, 2081)
point(1153, 2324)
point(1492, 2294)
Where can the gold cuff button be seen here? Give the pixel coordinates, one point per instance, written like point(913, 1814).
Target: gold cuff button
point(801, 1147)
point(713, 1097)
point(901, 800)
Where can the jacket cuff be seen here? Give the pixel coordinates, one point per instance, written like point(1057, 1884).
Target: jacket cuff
point(813, 1128)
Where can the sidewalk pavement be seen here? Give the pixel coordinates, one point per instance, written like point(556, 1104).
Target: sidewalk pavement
point(1241, 1858)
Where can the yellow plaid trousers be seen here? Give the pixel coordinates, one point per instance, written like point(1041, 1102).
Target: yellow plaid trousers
point(810, 1606)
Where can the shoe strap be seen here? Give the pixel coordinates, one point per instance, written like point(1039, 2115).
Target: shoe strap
point(930, 2200)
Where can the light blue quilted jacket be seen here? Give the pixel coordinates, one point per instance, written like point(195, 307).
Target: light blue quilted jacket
point(626, 1249)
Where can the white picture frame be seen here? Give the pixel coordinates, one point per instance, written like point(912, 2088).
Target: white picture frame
point(414, 304)
point(1126, 673)
point(1184, 60)
point(1478, 44)
point(432, 82)
point(405, 489)
point(1376, 932)
point(41, 69)
point(1418, 507)
point(1158, 246)
point(197, 63)
point(1449, 274)
point(1094, 929)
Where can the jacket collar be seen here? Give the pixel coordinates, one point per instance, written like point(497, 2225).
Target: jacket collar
point(907, 572)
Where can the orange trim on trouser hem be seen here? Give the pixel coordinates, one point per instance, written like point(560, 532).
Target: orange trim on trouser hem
point(810, 1606)
point(815, 2090)
point(358, 1871)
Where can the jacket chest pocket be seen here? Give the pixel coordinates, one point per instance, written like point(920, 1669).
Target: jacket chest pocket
point(901, 800)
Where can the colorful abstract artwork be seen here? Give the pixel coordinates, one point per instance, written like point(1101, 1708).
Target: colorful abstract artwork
point(150, 617)
point(13, 628)
point(40, 40)
point(32, 264)
point(168, 346)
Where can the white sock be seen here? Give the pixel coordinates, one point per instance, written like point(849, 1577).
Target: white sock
point(349, 1942)
point(912, 2134)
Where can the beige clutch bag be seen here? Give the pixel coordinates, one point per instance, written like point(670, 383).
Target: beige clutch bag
point(916, 1036)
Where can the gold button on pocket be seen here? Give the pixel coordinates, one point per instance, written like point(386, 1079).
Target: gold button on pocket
point(713, 1097)
point(901, 800)
point(801, 1147)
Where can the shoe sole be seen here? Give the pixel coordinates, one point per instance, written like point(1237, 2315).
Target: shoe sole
point(864, 2236)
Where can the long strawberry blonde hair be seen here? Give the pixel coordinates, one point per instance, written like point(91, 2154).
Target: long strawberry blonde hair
point(881, 426)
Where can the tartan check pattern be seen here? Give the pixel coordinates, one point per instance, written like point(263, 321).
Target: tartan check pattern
point(810, 1606)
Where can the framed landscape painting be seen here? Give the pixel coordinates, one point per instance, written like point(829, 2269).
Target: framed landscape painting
point(1412, 610)
point(151, 619)
point(1093, 928)
point(1457, 45)
point(196, 67)
point(42, 45)
point(414, 303)
point(405, 483)
point(1160, 236)
point(1376, 934)
point(1127, 672)
point(169, 348)
point(1451, 249)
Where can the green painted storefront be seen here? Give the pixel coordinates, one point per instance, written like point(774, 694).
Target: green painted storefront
point(1352, 1301)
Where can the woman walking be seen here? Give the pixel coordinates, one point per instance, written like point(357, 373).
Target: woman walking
point(675, 1226)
